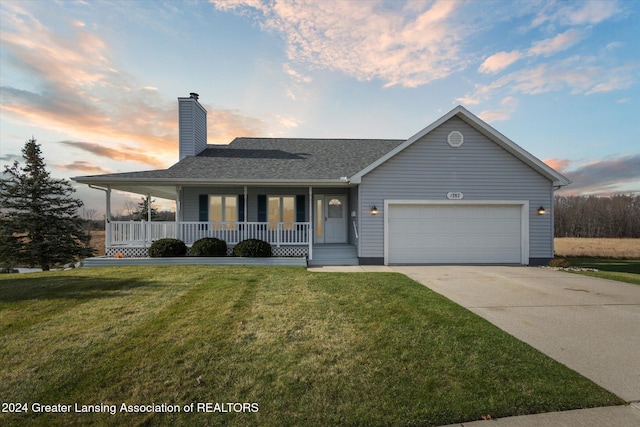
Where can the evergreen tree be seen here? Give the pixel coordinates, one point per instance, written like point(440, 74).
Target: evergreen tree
point(142, 211)
point(9, 246)
point(38, 214)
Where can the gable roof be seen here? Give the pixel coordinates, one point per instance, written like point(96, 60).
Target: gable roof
point(266, 160)
point(557, 178)
point(286, 161)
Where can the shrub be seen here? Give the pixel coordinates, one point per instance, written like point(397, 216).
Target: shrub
point(167, 248)
point(252, 248)
point(559, 262)
point(209, 246)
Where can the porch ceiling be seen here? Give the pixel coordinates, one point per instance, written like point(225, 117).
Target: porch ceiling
point(167, 190)
point(162, 192)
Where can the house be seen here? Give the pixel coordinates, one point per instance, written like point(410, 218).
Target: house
point(458, 191)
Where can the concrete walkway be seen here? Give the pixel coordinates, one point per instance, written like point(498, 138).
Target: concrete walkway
point(590, 325)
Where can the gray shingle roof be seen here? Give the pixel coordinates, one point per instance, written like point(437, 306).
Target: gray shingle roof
point(274, 159)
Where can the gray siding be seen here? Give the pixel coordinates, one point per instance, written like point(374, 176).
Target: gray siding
point(430, 168)
point(192, 122)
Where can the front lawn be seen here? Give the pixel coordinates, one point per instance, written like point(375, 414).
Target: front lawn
point(262, 346)
point(622, 270)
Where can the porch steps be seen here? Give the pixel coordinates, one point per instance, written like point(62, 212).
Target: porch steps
point(334, 255)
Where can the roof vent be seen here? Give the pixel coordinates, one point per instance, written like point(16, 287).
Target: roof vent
point(455, 139)
point(194, 95)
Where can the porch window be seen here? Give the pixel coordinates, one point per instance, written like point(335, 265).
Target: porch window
point(281, 209)
point(223, 209)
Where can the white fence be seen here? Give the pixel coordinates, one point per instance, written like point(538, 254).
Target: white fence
point(143, 233)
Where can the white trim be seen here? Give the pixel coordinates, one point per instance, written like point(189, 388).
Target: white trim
point(108, 217)
point(519, 152)
point(524, 219)
point(325, 197)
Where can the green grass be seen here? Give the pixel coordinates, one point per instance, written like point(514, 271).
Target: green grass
point(311, 349)
point(622, 270)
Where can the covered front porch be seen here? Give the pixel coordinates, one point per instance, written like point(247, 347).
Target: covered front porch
point(293, 219)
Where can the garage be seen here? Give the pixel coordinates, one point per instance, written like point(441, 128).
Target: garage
point(469, 233)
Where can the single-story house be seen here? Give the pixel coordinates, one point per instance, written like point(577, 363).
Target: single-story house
point(458, 191)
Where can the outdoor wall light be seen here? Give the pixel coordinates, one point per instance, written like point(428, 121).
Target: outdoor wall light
point(374, 210)
point(541, 210)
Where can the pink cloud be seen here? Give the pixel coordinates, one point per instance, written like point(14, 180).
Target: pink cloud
point(494, 115)
point(82, 93)
point(591, 12)
point(83, 167)
point(408, 47)
point(555, 44)
point(558, 164)
point(608, 175)
point(499, 61)
point(121, 153)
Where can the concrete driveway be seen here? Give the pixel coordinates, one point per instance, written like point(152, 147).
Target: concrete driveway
point(591, 325)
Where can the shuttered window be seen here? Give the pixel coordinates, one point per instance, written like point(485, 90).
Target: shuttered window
point(287, 209)
point(220, 209)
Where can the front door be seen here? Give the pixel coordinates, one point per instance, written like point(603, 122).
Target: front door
point(330, 218)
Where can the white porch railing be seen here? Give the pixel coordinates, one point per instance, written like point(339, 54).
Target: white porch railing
point(143, 233)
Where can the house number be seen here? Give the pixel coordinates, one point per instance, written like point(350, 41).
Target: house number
point(455, 195)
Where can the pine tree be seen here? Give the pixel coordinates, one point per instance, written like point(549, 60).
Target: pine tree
point(142, 211)
point(38, 214)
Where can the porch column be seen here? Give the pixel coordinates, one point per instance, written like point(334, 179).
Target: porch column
point(147, 227)
point(310, 223)
point(107, 225)
point(178, 211)
point(246, 213)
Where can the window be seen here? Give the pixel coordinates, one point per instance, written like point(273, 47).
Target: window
point(282, 209)
point(319, 218)
point(223, 209)
point(335, 209)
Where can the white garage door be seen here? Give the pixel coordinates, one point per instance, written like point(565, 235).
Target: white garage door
point(424, 234)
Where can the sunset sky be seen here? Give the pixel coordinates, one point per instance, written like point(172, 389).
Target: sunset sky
point(97, 82)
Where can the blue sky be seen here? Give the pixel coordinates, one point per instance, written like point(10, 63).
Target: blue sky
point(97, 83)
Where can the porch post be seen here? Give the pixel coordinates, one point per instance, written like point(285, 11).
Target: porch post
point(178, 211)
point(107, 225)
point(246, 213)
point(310, 237)
point(147, 228)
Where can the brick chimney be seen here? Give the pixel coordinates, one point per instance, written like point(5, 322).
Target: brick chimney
point(192, 122)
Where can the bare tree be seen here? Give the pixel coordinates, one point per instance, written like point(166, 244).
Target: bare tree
point(591, 216)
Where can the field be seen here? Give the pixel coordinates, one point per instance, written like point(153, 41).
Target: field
point(262, 346)
point(597, 248)
point(97, 242)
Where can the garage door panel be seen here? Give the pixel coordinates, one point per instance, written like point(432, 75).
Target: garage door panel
point(454, 234)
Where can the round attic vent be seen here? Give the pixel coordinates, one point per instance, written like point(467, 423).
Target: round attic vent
point(455, 139)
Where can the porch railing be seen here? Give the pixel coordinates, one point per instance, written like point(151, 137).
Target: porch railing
point(143, 233)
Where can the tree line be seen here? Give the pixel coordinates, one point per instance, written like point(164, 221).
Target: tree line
point(617, 216)
point(133, 212)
